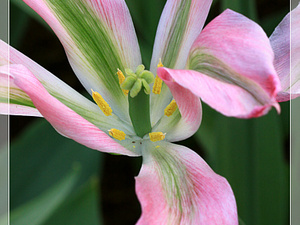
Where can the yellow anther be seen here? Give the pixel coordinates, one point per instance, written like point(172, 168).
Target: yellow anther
point(103, 105)
point(157, 85)
point(157, 82)
point(157, 136)
point(120, 76)
point(171, 108)
point(160, 64)
point(121, 80)
point(117, 134)
point(157, 146)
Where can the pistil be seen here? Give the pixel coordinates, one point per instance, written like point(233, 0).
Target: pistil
point(139, 104)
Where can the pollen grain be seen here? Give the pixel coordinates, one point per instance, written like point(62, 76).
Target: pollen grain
point(121, 80)
point(103, 105)
point(117, 134)
point(157, 136)
point(157, 82)
point(171, 108)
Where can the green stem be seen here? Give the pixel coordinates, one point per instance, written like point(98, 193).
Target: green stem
point(139, 111)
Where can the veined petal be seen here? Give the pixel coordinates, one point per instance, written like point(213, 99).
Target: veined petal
point(18, 102)
point(13, 100)
point(235, 55)
point(62, 118)
point(176, 186)
point(99, 38)
point(185, 121)
point(283, 40)
point(229, 99)
point(180, 24)
point(57, 89)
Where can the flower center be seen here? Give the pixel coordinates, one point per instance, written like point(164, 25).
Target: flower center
point(137, 86)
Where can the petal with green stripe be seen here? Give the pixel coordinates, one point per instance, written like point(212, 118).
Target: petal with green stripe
point(176, 186)
point(231, 67)
point(180, 24)
point(99, 38)
point(18, 102)
point(62, 118)
point(58, 89)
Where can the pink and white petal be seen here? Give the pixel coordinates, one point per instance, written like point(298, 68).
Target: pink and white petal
point(185, 121)
point(18, 110)
point(180, 24)
point(285, 43)
point(176, 186)
point(98, 37)
point(14, 101)
point(229, 99)
point(59, 90)
point(234, 51)
point(62, 118)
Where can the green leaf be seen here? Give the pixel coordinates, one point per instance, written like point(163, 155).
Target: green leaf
point(25, 8)
point(18, 24)
point(39, 209)
point(4, 191)
point(270, 22)
point(80, 208)
point(41, 156)
point(295, 173)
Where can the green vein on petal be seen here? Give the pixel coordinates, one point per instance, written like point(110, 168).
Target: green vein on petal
point(176, 34)
point(175, 179)
point(16, 96)
point(211, 66)
point(93, 39)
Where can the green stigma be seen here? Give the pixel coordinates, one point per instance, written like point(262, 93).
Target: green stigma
point(135, 82)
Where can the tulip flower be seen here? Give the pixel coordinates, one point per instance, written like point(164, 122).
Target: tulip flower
point(286, 46)
point(228, 64)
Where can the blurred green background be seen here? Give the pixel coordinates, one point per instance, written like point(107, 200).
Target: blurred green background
point(57, 181)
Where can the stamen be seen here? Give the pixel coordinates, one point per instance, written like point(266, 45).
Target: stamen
point(157, 85)
point(157, 136)
point(171, 108)
point(121, 80)
point(117, 134)
point(160, 63)
point(158, 82)
point(103, 105)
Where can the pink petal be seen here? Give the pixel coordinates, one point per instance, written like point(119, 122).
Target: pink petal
point(176, 186)
point(18, 110)
point(190, 109)
point(62, 118)
point(282, 40)
point(231, 100)
point(20, 103)
point(98, 37)
point(57, 88)
point(177, 31)
point(235, 55)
